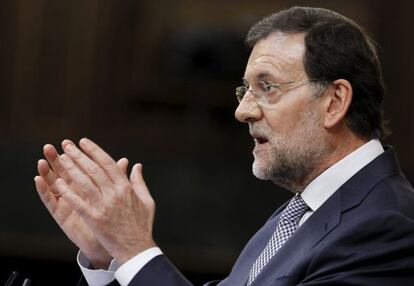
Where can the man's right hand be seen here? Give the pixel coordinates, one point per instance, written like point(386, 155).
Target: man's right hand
point(68, 220)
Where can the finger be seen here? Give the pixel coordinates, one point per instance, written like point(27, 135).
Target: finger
point(73, 200)
point(52, 156)
point(123, 165)
point(103, 160)
point(46, 197)
point(79, 178)
point(47, 174)
point(50, 177)
point(43, 168)
point(93, 170)
point(57, 206)
point(138, 184)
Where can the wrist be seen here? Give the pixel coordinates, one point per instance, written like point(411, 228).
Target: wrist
point(98, 260)
point(128, 254)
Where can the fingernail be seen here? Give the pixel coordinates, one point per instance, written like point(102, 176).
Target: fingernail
point(138, 166)
point(66, 141)
point(84, 141)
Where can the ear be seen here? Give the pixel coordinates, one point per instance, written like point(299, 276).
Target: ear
point(337, 102)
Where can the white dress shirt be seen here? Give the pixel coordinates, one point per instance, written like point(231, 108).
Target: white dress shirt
point(123, 274)
point(323, 186)
point(315, 194)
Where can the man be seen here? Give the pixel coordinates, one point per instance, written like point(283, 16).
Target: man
point(312, 98)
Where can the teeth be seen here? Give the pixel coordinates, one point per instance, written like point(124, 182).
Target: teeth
point(259, 140)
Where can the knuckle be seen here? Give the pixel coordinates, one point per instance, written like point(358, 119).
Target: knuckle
point(112, 199)
point(53, 185)
point(93, 169)
point(99, 214)
point(81, 210)
point(76, 154)
point(125, 187)
point(69, 166)
point(85, 185)
point(97, 217)
point(108, 165)
point(107, 209)
point(119, 197)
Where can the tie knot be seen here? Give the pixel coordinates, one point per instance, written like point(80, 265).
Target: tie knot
point(295, 209)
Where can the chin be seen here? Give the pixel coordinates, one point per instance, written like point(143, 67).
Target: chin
point(260, 171)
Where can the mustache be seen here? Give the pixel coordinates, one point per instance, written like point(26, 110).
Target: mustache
point(257, 131)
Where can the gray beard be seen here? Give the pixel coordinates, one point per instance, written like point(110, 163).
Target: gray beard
point(295, 160)
point(293, 171)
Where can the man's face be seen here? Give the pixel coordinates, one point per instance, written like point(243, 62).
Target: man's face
point(288, 132)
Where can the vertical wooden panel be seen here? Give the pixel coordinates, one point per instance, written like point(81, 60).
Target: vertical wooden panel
point(27, 59)
point(395, 23)
point(80, 63)
point(7, 64)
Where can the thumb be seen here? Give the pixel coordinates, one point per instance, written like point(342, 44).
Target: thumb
point(123, 165)
point(138, 183)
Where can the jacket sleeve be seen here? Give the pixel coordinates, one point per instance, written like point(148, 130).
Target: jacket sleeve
point(158, 272)
point(161, 272)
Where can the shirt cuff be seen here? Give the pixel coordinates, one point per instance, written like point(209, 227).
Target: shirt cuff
point(96, 277)
point(127, 271)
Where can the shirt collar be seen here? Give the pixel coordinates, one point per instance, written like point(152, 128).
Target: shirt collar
point(323, 186)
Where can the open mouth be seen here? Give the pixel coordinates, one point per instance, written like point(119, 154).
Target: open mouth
point(260, 140)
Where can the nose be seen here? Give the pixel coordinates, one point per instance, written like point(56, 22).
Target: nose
point(248, 110)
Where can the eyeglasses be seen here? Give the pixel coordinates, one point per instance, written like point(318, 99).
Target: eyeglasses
point(267, 92)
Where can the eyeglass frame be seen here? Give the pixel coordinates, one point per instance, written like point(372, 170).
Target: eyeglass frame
point(269, 86)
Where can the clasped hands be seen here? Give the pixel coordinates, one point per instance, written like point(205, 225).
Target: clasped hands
point(105, 213)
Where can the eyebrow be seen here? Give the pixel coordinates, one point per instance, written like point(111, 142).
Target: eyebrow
point(260, 76)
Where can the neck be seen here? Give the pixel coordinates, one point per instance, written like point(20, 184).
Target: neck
point(338, 148)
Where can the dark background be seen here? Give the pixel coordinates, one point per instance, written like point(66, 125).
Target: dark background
point(154, 81)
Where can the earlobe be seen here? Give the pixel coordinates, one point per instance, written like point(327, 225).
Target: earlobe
point(338, 102)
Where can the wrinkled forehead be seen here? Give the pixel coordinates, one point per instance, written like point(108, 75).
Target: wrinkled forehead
point(280, 55)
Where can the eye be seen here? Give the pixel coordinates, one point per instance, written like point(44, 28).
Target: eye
point(263, 86)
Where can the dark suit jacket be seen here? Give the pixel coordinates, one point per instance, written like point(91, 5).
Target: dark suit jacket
point(362, 235)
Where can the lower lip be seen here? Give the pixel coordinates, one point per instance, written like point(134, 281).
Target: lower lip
point(259, 147)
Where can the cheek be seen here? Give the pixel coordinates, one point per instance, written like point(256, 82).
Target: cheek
point(284, 121)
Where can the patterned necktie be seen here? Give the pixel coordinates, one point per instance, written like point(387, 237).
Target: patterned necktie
point(286, 226)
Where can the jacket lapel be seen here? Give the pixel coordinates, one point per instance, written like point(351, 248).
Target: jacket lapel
point(304, 239)
point(251, 251)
